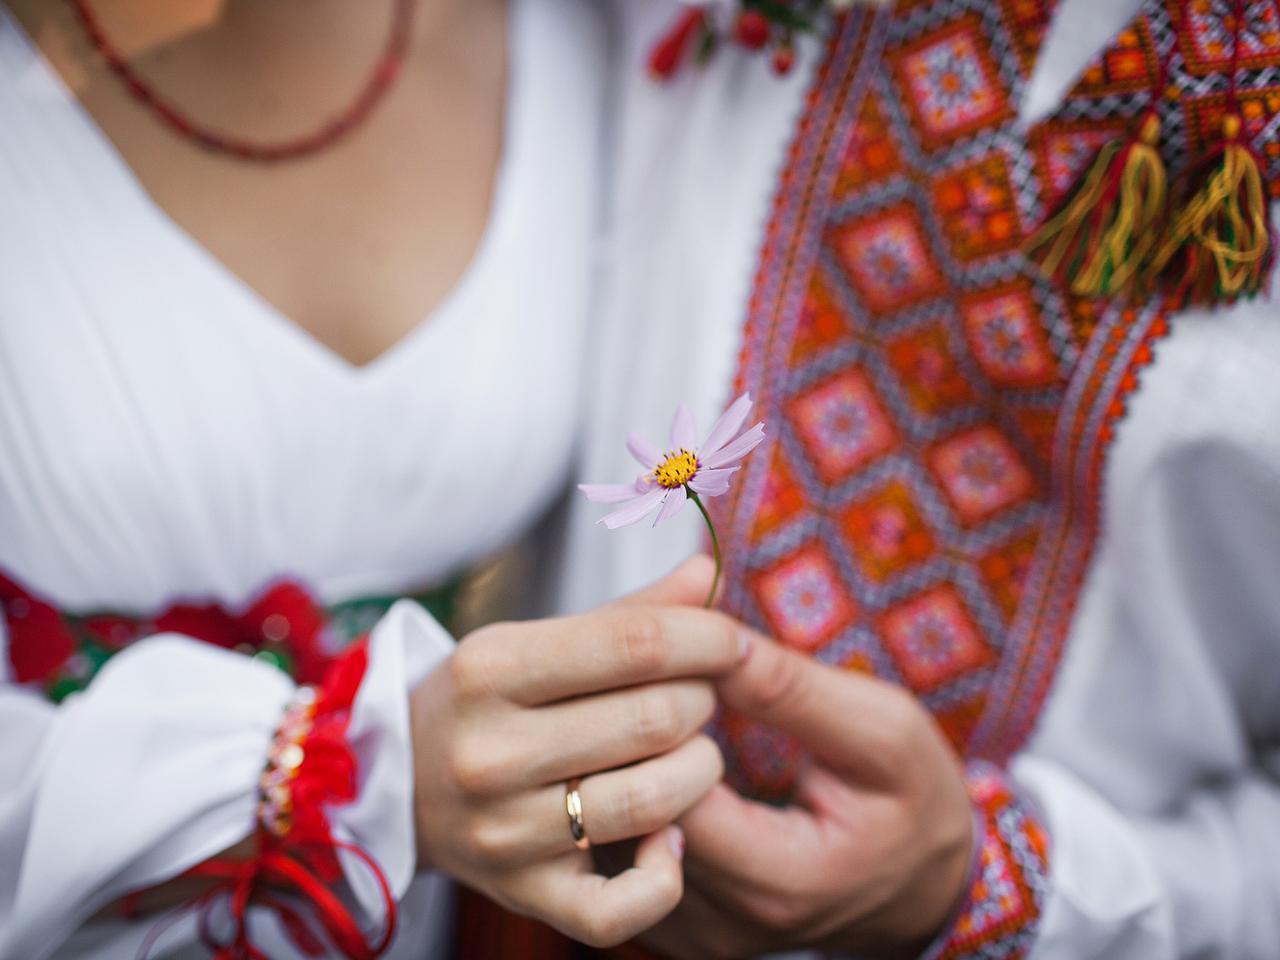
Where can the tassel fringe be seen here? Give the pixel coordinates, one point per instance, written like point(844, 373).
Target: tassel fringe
point(1100, 241)
point(1220, 246)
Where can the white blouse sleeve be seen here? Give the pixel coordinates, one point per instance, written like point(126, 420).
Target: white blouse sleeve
point(1157, 763)
point(154, 768)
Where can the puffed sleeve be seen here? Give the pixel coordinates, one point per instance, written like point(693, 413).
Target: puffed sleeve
point(155, 766)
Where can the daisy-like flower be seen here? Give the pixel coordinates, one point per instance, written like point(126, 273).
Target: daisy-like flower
point(685, 471)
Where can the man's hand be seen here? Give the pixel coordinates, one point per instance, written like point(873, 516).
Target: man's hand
point(873, 855)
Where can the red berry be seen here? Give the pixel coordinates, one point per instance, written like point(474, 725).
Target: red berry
point(752, 29)
point(784, 58)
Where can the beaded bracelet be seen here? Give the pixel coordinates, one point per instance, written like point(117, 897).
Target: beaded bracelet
point(275, 793)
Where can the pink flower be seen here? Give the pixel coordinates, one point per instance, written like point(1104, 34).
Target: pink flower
point(686, 470)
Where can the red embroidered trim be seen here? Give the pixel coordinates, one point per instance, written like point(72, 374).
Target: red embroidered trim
point(1001, 912)
point(311, 768)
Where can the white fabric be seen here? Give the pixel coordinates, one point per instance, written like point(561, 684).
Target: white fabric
point(1080, 29)
point(213, 415)
point(166, 435)
point(1155, 761)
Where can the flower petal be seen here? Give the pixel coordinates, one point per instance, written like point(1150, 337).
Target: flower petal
point(646, 454)
point(706, 490)
point(674, 504)
point(636, 510)
point(735, 451)
point(717, 473)
point(730, 422)
point(712, 483)
point(609, 492)
point(684, 431)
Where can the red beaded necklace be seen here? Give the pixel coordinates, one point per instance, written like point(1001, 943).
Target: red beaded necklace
point(386, 70)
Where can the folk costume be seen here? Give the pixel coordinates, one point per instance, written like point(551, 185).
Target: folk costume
point(1026, 467)
point(194, 493)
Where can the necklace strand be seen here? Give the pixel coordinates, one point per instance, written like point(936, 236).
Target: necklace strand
point(384, 73)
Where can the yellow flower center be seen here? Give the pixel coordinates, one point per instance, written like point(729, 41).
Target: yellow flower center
point(676, 470)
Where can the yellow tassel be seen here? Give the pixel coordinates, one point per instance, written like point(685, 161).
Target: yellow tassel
point(1223, 231)
point(1099, 243)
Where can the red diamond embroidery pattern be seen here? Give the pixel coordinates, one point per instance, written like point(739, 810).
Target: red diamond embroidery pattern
point(981, 473)
point(804, 600)
point(933, 639)
point(842, 424)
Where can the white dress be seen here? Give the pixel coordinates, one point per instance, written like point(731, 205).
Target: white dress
point(165, 434)
point(1156, 761)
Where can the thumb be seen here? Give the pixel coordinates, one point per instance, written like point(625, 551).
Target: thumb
point(685, 586)
point(848, 720)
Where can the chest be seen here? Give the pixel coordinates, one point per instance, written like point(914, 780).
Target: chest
point(170, 432)
point(359, 241)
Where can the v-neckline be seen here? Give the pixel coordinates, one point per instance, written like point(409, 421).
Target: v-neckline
point(500, 214)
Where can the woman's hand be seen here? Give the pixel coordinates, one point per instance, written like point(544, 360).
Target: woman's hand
point(874, 855)
point(616, 697)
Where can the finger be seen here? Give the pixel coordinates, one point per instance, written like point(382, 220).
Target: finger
point(642, 799)
point(606, 912)
point(620, 647)
point(853, 722)
point(686, 585)
point(617, 805)
point(755, 846)
point(700, 928)
point(525, 749)
point(577, 737)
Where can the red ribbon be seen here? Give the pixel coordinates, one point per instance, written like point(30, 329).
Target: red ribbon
point(275, 879)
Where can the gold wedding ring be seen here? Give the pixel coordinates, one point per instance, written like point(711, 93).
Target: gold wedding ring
point(573, 807)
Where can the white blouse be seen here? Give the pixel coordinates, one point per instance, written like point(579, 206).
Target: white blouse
point(1157, 758)
point(165, 434)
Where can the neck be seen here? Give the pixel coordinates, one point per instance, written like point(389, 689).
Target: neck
point(344, 20)
point(142, 27)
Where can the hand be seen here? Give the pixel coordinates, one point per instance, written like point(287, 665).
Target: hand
point(873, 856)
point(520, 708)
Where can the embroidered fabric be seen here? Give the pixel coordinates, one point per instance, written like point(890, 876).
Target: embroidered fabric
point(1148, 713)
point(927, 503)
point(1009, 883)
point(59, 653)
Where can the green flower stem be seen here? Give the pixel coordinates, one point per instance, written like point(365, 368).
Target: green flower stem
point(715, 545)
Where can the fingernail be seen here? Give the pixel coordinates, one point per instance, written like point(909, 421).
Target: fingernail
point(744, 646)
point(675, 840)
